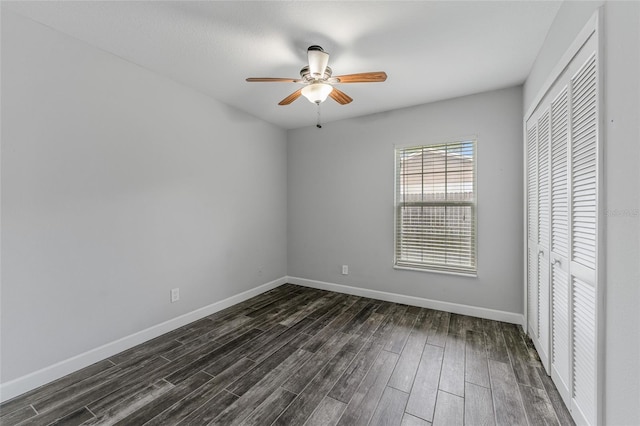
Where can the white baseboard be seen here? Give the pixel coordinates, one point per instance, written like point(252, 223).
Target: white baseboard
point(456, 308)
point(45, 375)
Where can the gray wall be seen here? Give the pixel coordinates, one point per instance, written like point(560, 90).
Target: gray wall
point(622, 187)
point(118, 185)
point(341, 185)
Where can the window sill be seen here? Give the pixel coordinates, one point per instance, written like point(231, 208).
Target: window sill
point(436, 271)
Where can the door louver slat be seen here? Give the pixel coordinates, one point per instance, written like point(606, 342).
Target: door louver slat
point(583, 160)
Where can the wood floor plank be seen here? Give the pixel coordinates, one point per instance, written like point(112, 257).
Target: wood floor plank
point(279, 305)
point(283, 310)
point(259, 371)
point(165, 400)
point(74, 418)
point(209, 411)
point(537, 406)
point(473, 324)
point(95, 382)
point(118, 405)
point(346, 386)
point(494, 341)
point(525, 372)
point(359, 318)
point(385, 307)
point(400, 333)
point(439, 328)
point(561, 410)
point(338, 309)
point(283, 292)
point(230, 329)
point(54, 387)
point(16, 416)
point(449, 410)
point(335, 300)
point(191, 347)
point(190, 331)
point(370, 326)
point(313, 310)
point(334, 326)
point(327, 414)
point(390, 408)
point(221, 364)
point(409, 420)
point(204, 395)
point(403, 375)
point(422, 399)
point(67, 403)
point(301, 378)
point(250, 400)
point(244, 349)
point(476, 365)
point(263, 351)
point(507, 401)
point(362, 335)
point(534, 358)
point(207, 359)
point(147, 349)
point(453, 363)
point(312, 395)
point(302, 308)
point(363, 403)
point(412, 352)
point(270, 409)
point(197, 348)
point(385, 333)
point(478, 406)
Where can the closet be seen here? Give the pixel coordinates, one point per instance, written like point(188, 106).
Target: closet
point(563, 177)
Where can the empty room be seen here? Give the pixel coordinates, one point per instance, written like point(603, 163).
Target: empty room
point(320, 213)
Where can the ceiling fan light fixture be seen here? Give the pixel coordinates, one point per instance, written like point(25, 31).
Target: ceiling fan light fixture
point(317, 92)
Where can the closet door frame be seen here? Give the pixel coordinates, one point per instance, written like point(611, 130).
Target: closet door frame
point(592, 28)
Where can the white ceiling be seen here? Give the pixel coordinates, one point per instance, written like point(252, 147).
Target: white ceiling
point(431, 50)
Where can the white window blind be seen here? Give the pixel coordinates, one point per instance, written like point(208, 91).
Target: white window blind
point(436, 207)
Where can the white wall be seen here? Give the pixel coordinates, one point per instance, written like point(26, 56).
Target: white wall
point(622, 187)
point(118, 185)
point(341, 185)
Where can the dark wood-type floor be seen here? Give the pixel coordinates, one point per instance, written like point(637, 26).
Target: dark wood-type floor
point(296, 356)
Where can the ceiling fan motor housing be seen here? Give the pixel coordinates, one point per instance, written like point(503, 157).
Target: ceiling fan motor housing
point(318, 61)
point(305, 73)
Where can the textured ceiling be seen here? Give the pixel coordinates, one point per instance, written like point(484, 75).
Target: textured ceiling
point(430, 50)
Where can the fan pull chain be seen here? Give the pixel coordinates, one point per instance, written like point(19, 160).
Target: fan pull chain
point(318, 123)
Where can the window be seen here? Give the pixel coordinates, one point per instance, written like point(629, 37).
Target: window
point(436, 207)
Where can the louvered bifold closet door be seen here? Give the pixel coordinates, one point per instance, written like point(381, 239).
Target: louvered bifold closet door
point(532, 228)
point(543, 238)
point(563, 157)
point(560, 295)
point(584, 203)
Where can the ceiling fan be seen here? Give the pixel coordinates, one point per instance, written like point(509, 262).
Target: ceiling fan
point(318, 81)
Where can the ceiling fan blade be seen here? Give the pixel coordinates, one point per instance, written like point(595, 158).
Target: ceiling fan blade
point(272, 79)
point(318, 61)
point(340, 97)
point(292, 97)
point(363, 77)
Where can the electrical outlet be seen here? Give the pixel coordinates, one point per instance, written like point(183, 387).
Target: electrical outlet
point(345, 269)
point(175, 294)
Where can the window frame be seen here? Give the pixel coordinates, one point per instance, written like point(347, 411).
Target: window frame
point(398, 204)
